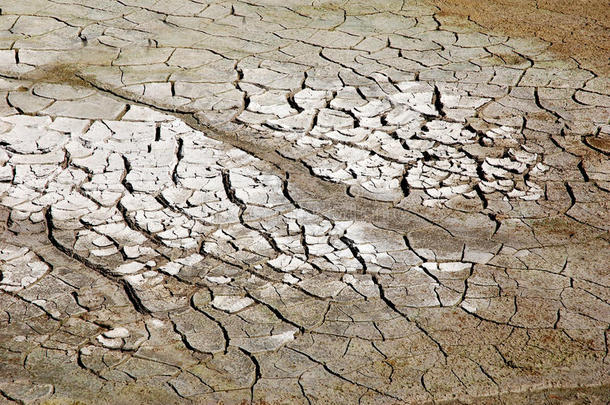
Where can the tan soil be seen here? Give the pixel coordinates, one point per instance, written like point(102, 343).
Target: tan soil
point(576, 28)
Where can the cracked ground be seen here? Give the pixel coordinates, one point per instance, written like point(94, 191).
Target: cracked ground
point(276, 202)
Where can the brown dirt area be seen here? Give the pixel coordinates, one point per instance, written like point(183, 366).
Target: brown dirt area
point(576, 28)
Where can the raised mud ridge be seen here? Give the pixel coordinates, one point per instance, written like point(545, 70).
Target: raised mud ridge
point(274, 203)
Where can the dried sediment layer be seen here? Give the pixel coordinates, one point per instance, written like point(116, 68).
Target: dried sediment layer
point(575, 29)
point(335, 203)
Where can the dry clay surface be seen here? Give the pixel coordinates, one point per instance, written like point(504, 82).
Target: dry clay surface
point(280, 203)
point(578, 29)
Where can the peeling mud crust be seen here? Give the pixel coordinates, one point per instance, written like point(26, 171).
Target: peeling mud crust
point(333, 203)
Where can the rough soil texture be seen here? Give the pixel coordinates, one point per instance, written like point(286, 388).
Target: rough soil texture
point(369, 202)
point(578, 29)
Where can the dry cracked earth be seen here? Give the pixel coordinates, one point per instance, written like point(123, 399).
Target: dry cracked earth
point(276, 202)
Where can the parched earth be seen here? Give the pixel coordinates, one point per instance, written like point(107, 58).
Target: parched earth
point(279, 203)
point(576, 29)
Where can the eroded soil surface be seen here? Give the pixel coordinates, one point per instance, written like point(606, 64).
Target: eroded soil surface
point(345, 202)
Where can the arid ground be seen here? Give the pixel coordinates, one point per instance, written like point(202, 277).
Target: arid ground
point(575, 29)
point(281, 202)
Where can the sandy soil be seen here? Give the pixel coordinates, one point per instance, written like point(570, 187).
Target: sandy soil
point(576, 28)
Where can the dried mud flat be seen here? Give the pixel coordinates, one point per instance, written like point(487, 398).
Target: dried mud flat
point(574, 29)
point(278, 203)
